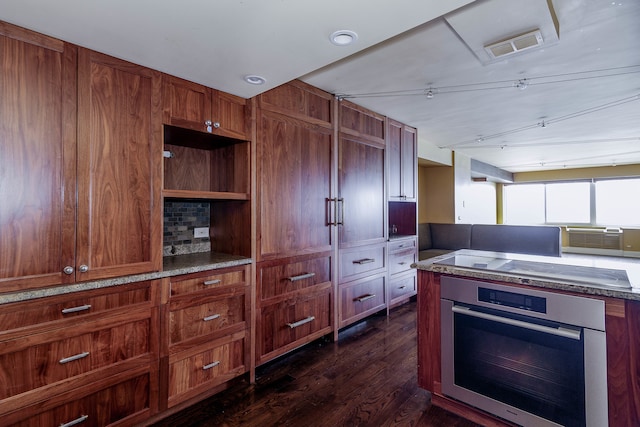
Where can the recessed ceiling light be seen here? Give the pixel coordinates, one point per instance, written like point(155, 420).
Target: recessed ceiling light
point(255, 80)
point(343, 37)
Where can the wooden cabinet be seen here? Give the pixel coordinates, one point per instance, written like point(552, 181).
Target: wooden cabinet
point(119, 175)
point(403, 252)
point(206, 333)
point(192, 106)
point(37, 166)
point(81, 350)
point(80, 163)
point(361, 298)
point(294, 303)
point(294, 168)
point(402, 150)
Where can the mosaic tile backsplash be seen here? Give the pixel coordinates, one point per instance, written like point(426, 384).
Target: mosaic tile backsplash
point(180, 218)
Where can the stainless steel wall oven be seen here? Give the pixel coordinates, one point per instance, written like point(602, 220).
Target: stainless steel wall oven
point(532, 357)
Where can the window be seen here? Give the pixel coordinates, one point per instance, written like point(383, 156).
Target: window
point(605, 202)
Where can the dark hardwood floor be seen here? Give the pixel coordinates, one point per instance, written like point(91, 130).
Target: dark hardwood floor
point(367, 378)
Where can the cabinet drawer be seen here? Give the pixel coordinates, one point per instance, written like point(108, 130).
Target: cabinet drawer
point(402, 286)
point(37, 360)
point(401, 261)
point(29, 313)
point(206, 281)
point(361, 299)
point(284, 324)
point(280, 279)
point(129, 398)
point(211, 314)
point(204, 366)
point(360, 262)
point(401, 245)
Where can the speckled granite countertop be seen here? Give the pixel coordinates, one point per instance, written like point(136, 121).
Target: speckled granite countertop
point(587, 275)
point(172, 266)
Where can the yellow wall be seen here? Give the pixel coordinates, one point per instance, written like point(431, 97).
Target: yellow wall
point(436, 192)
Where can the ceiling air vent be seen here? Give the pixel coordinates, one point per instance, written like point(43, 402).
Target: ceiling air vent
point(514, 44)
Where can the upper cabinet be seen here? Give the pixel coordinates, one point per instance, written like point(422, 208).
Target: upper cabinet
point(403, 161)
point(79, 174)
point(192, 106)
point(119, 169)
point(37, 165)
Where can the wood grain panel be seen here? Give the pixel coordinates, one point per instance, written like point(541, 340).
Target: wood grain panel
point(294, 172)
point(37, 166)
point(119, 152)
point(76, 306)
point(186, 104)
point(361, 298)
point(361, 261)
point(299, 100)
point(361, 184)
point(213, 314)
point(199, 282)
point(287, 277)
point(360, 122)
point(402, 287)
point(428, 323)
point(233, 113)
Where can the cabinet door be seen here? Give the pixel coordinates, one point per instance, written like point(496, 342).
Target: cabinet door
point(186, 104)
point(232, 115)
point(402, 152)
point(119, 168)
point(37, 165)
point(294, 173)
point(361, 190)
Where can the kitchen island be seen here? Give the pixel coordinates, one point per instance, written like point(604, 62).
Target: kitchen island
point(617, 285)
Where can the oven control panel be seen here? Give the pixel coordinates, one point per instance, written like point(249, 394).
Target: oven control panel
point(513, 299)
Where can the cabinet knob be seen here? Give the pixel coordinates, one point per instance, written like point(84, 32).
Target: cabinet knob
point(210, 125)
point(83, 268)
point(68, 270)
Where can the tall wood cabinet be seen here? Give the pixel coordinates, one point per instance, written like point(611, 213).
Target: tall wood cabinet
point(295, 188)
point(403, 161)
point(362, 214)
point(82, 206)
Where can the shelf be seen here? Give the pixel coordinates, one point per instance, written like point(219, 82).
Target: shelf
point(209, 195)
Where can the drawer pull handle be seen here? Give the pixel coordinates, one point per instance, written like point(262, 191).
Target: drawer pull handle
point(300, 277)
point(212, 317)
point(364, 261)
point(401, 287)
point(77, 421)
point(212, 282)
point(402, 263)
point(301, 322)
point(210, 365)
point(76, 309)
point(74, 357)
point(365, 297)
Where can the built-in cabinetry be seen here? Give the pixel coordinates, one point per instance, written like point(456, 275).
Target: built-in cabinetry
point(210, 163)
point(362, 284)
point(295, 201)
point(205, 333)
point(90, 356)
point(403, 252)
point(79, 171)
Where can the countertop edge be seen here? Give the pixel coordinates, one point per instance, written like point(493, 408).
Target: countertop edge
point(428, 265)
point(184, 265)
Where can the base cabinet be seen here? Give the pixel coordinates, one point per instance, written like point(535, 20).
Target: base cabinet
point(205, 332)
point(92, 356)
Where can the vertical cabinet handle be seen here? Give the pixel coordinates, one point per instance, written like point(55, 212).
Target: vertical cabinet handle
point(365, 297)
point(301, 322)
point(74, 357)
point(340, 219)
point(330, 211)
point(77, 421)
point(211, 365)
point(76, 309)
point(212, 317)
point(211, 282)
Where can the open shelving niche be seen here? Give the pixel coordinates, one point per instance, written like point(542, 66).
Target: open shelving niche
point(201, 166)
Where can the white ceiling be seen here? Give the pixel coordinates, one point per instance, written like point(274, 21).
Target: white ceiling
point(584, 84)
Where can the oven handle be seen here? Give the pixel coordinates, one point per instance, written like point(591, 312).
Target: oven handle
point(561, 332)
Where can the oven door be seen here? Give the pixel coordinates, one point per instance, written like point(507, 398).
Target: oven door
point(526, 370)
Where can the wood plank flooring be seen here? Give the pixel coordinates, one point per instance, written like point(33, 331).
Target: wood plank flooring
point(367, 378)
